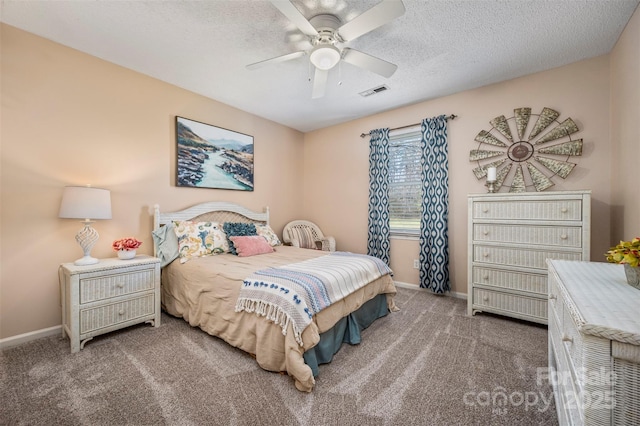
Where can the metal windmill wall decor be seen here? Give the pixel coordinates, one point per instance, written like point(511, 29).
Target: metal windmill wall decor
point(532, 159)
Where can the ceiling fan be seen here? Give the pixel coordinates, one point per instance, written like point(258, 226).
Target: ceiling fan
point(327, 37)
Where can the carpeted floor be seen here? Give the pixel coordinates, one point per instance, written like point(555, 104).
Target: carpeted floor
point(428, 364)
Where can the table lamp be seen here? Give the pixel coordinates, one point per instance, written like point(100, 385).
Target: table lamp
point(86, 202)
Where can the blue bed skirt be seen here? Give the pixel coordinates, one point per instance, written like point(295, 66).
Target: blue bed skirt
point(347, 330)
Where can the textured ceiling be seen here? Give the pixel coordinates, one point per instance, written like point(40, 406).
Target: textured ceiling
point(440, 46)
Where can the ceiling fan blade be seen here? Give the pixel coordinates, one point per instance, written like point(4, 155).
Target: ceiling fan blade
point(377, 16)
point(275, 60)
point(368, 62)
point(319, 83)
point(293, 14)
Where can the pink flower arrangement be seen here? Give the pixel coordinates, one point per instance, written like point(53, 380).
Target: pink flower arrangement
point(128, 243)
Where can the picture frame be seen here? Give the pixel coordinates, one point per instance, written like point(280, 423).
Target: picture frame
point(212, 157)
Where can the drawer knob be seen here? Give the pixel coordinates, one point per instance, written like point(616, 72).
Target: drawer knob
point(486, 277)
point(120, 285)
point(485, 210)
point(121, 312)
point(564, 210)
point(485, 298)
point(566, 338)
point(564, 236)
point(485, 232)
point(486, 254)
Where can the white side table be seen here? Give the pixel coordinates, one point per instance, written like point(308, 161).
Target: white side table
point(108, 296)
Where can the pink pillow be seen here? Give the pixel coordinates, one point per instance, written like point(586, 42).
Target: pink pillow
point(251, 245)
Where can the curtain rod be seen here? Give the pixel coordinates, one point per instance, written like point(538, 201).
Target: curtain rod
point(449, 117)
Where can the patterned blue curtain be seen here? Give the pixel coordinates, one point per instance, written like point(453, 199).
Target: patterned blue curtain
point(379, 231)
point(434, 238)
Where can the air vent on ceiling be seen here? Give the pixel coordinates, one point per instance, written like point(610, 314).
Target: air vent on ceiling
point(375, 90)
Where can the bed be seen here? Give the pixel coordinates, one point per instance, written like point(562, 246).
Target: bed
point(213, 292)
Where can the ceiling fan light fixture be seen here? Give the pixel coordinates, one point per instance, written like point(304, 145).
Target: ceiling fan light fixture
point(325, 57)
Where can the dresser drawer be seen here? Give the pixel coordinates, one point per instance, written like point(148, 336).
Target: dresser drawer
point(551, 210)
point(555, 299)
point(510, 304)
point(566, 394)
point(563, 236)
point(572, 342)
point(513, 280)
point(106, 286)
point(115, 313)
point(515, 256)
point(586, 353)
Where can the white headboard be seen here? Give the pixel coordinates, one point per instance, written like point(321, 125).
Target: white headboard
point(213, 211)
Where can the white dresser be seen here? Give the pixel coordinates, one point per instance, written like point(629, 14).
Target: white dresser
point(510, 238)
point(594, 344)
point(107, 296)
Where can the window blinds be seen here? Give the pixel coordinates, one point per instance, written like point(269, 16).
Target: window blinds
point(405, 188)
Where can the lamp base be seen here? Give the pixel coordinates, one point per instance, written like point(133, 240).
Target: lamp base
point(86, 260)
point(87, 237)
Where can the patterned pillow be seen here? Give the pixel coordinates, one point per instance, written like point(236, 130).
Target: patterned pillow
point(251, 245)
point(197, 239)
point(304, 236)
point(268, 234)
point(233, 229)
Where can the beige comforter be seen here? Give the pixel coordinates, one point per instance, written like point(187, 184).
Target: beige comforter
point(204, 292)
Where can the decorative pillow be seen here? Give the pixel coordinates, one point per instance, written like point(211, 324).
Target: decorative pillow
point(235, 229)
point(197, 239)
point(304, 236)
point(268, 234)
point(251, 245)
point(166, 242)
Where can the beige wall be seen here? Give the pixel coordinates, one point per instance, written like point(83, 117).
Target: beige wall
point(625, 133)
point(69, 118)
point(337, 157)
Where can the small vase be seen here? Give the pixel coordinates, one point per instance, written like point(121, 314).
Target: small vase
point(126, 254)
point(633, 275)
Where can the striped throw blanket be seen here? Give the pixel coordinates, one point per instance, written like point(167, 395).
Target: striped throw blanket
point(292, 294)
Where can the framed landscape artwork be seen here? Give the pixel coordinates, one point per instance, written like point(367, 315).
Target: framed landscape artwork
point(213, 157)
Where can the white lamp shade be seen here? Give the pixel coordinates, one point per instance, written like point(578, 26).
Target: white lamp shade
point(85, 202)
point(325, 57)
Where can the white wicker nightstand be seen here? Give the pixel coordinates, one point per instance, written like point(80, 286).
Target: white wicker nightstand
point(108, 296)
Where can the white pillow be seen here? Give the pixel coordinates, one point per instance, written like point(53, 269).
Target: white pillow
point(268, 234)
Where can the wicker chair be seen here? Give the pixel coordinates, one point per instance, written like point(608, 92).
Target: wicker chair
point(305, 234)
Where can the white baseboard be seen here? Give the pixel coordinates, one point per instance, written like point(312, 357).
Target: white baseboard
point(27, 337)
point(416, 287)
point(51, 331)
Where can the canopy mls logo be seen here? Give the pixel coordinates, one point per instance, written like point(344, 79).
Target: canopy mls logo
point(500, 399)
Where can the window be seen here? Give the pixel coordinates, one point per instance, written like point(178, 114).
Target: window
point(405, 186)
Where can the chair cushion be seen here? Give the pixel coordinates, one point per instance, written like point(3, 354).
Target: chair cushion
point(304, 236)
